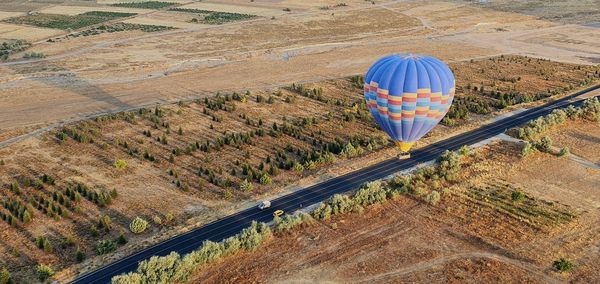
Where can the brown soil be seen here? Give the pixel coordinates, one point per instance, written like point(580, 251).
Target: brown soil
point(124, 70)
point(476, 234)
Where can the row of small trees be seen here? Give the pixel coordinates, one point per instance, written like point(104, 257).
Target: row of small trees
point(590, 110)
point(174, 268)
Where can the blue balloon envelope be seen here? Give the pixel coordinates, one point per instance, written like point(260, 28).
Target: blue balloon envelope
point(408, 94)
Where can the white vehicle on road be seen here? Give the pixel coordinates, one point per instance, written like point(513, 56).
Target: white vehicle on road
point(264, 205)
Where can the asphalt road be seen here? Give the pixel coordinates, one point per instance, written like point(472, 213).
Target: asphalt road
point(231, 225)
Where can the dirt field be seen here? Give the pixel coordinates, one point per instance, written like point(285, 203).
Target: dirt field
point(128, 69)
point(205, 183)
point(474, 234)
point(315, 43)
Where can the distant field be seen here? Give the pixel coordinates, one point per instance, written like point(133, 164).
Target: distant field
point(145, 5)
point(76, 10)
point(65, 22)
point(5, 15)
point(160, 22)
point(120, 27)
point(240, 9)
point(568, 11)
point(215, 18)
point(10, 31)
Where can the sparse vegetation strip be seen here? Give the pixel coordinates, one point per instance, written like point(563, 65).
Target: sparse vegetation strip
point(590, 111)
point(174, 268)
point(8, 48)
point(213, 17)
point(66, 22)
point(145, 5)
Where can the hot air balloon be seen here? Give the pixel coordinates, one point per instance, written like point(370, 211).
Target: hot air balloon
point(408, 94)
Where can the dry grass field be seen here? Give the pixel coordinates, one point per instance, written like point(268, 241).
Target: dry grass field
point(477, 233)
point(121, 120)
point(129, 69)
point(199, 153)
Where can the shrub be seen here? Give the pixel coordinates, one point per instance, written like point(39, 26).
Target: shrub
point(464, 150)
point(105, 246)
point(44, 272)
point(341, 204)
point(105, 222)
point(370, 193)
point(322, 212)
point(527, 149)
point(448, 165)
point(289, 222)
point(121, 240)
point(433, 198)
point(298, 167)
point(246, 186)
point(265, 179)
point(545, 144)
point(138, 225)
point(564, 152)
point(79, 255)
point(157, 220)
point(47, 246)
point(517, 196)
point(159, 269)
point(5, 277)
point(562, 265)
point(120, 164)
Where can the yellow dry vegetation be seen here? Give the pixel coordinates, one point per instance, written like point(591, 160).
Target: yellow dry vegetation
point(10, 32)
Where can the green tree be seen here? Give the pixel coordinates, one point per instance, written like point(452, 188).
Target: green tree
point(138, 225)
point(26, 217)
point(564, 152)
point(47, 246)
point(246, 186)
point(545, 144)
point(265, 179)
point(562, 265)
point(79, 255)
point(105, 246)
point(5, 277)
point(517, 196)
point(527, 149)
point(44, 272)
point(433, 198)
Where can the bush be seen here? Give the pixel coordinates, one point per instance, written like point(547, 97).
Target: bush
point(298, 167)
point(289, 222)
point(105, 246)
point(545, 144)
point(138, 225)
point(341, 204)
point(527, 149)
point(121, 240)
point(370, 193)
point(322, 212)
point(120, 164)
point(105, 222)
point(5, 277)
point(433, 198)
point(79, 255)
point(246, 186)
point(564, 152)
point(562, 265)
point(448, 165)
point(464, 150)
point(265, 179)
point(44, 272)
point(517, 196)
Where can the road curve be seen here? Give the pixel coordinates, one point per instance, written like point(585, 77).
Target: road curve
point(232, 224)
